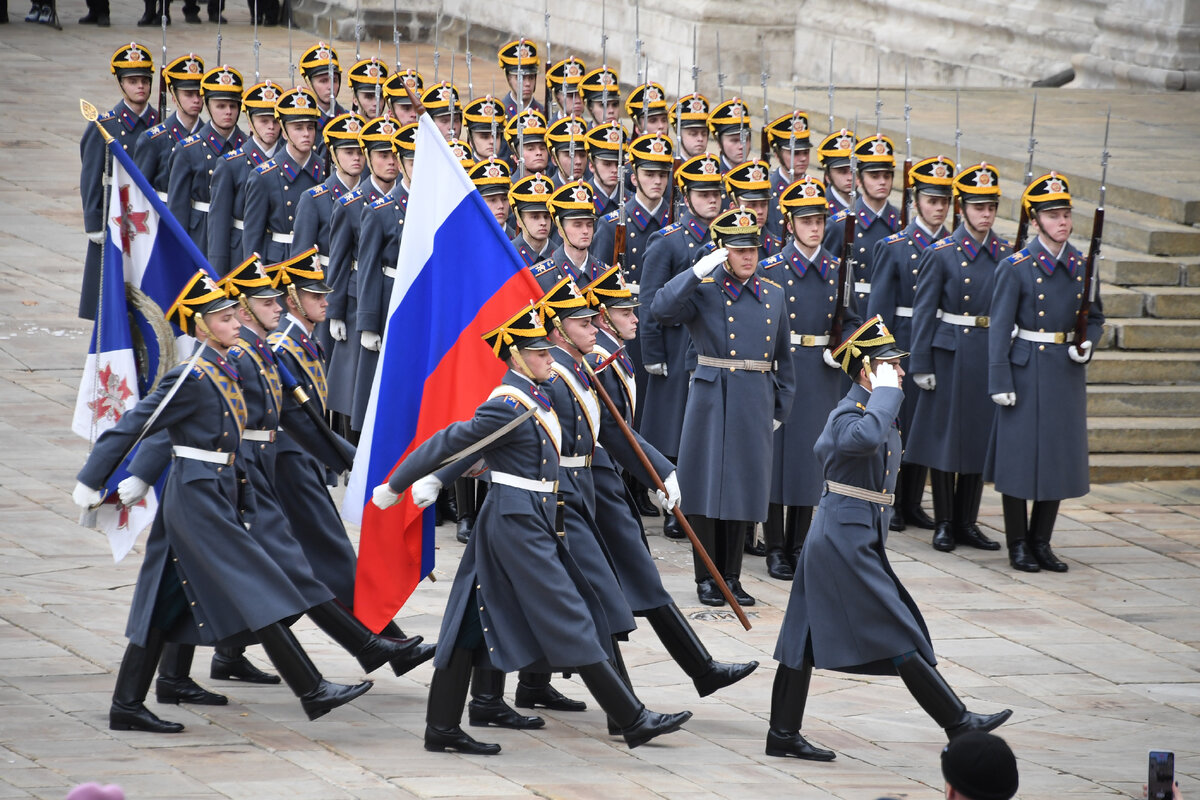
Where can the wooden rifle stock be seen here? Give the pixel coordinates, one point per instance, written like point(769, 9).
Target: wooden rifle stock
point(1089, 278)
point(1022, 229)
point(907, 195)
point(618, 253)
point(764, 146)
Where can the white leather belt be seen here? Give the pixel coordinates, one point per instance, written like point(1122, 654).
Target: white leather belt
point(208, 456)
point(324, 260)
point(902, 311)
point(389, 272)
point(862, 287)
point(281, 238)
point(574, 462)
point(239, 224)
point(200, 206)
point(965, 319)
point(1045, 337)
point(810, 340)
point(747, 364)
point(161, 195)
point(254, 435)
point(860, 493)
point(528, 484)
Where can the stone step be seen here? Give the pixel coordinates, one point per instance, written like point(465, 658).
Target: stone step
point(1155, 334)
point(1120, 467)
point(1127, 268)
point(1167, 302)
point(1117, 400)
point(1144, 368)
point(1144, 435)
point(1122, 302)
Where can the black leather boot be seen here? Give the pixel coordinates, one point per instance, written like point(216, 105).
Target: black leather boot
point(443, 716)
point(779, 557)
point(942, 485)
point(736, 533)
point(940, 702)
point(789, 695)
point(685, 647)
point(487, 706)
point(1041, 528)
point(231, 664)
point(420, 654)
point(1016, 534)
point(534, 691)
point(151, 15)
point(799, 520)
point(638, 725)
point(317, 696)
point(464, 494)
point(128, 711)
point(912, 483)
point(175, 684)
point(372, 651)
point(706, 532)
point(34, 13)
point(968, 494)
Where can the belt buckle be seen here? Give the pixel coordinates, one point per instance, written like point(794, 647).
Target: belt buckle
point(982, 322)
point(1060, 337)
point(807, 340)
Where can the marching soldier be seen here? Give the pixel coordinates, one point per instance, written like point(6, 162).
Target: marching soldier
point(274, 188)
point(528, 198)
point(321, 70)
point(519, 60)
point(568, 149)
point(381, 229)
point(564, 79)
point(848, 611)
point(525, 136)
point(227, 189)
point(875, 217)
point(730, 125)
point(893, 287)
point(535, 607)
point(153, 149)
point(601, 89)
point(202, 575)
point(834, 155)
point(789, 137)
point(646, 106)
point(605, 151)
point(953, 418)
point(808, 274)
point(573, 212)
point(441, 101)
point(1039, 448)
point(367, 78)
point(377, 140)
point(128, 119)
point(691, 123)
point(669, 253)
point(193, 161)
point(484, 118)
point(395, 94)
point(741, 392)
point(748, 186)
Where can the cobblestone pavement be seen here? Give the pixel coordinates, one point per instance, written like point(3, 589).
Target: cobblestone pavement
point(1099, 664)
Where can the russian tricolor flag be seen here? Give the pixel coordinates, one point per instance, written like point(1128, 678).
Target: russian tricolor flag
point(458, 277)
point(148, 258)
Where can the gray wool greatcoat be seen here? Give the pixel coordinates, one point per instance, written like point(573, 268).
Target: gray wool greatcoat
point(535, 607)
point(192, 163)
point(847, 608)
point(953, 422)
point(811, 292)
point(726, 443)
point(227, 205)
point(1039, 447)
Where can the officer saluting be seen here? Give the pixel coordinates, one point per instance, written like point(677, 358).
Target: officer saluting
point(154, 147)
point(133, 115)
point(848, 611)
point(741, 392)
point(1038, 377)
point(949, 351)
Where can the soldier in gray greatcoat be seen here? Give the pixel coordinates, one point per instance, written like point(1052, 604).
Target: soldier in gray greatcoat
point(848, 610)
point(949, 361)
point(207, 579)
point(528, 198)
point(790, 142)
point(153, 149)
point(1038, 378)
point(128, 119)
point(573, 212)
point(893, 285)
point(834, 153)
point(809, 275)
point(519, 599)
point(741, 393)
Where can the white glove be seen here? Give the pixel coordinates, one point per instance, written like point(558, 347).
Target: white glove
point(96, 237)
point(337, 329)
point(132, 490)
point(669, 500)
point(1005, 399)
point(425, 491)
point(657, 369)
point(85, 496)
point(775, 425)
point(827, 357)
point(926, 381)
point(370, 340)
point(710, 262)
point(884, 376)
point(1081, 354)
point(1012, 336)
point(383, 496)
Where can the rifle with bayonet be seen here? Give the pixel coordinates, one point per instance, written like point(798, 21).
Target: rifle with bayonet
point(957, 159)
point(908, 160)
point(1091, 281)
point(849, 262)
point(162, 74)
point(830, 92)
point(618, 254)
point(396, 35)
point(764, 149)
point(467, 57)
point(720, 74)
point(1023, 220)
point(548, 95)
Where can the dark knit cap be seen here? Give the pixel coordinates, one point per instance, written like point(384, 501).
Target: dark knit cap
point(980, 766)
